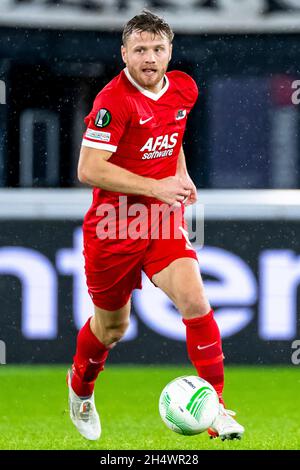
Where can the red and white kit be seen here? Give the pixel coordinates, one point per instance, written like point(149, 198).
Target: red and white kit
point(144, 130)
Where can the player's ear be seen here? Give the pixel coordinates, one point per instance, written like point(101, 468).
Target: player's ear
point(123, 53)
point(171, 49)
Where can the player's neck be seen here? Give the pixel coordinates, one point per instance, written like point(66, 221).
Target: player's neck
point(162, 84)
point(157, 87)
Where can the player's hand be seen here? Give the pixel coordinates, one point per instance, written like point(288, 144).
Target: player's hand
point(193, 195)
point(172, 190)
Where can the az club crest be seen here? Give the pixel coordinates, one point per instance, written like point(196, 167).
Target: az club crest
point(181, 114)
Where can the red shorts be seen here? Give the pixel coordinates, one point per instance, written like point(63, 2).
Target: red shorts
point(113, 266)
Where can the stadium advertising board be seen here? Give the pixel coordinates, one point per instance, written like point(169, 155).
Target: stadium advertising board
point(251, 271)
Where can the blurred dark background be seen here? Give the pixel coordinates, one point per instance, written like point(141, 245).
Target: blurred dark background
point(242, 133)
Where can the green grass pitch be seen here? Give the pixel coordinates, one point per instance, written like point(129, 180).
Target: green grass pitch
point(34, 415)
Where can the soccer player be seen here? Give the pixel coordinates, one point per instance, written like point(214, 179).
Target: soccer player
point(132, 152)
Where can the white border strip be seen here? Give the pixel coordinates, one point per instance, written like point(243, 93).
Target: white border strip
point(99, 145)
point(182, 21)
point(72, 204)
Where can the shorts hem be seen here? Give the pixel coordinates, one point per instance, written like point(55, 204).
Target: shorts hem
point(109, 306)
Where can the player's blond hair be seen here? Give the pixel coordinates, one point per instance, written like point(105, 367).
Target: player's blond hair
point(147, 21)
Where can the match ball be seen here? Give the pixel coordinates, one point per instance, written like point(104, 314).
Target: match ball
point(188, 405)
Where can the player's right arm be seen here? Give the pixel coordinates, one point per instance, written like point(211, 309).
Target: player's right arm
point(95, 170)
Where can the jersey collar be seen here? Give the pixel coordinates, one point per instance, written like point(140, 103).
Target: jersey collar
point(149, 94)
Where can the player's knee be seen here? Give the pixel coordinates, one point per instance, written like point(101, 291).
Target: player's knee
point(114, 333)
point(192, 306)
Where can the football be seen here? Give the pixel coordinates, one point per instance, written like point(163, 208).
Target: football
point(188, 405)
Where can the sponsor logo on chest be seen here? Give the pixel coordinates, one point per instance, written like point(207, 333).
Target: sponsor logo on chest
point(161, 146)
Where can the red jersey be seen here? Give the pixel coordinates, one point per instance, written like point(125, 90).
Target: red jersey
point(144, 130)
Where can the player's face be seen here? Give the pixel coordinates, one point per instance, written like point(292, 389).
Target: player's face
point(147, 57)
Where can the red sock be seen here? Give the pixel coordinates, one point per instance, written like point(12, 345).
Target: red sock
point(200, 332)
point(89, 360)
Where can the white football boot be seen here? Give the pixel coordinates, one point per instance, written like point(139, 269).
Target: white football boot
point(225, 426)
point(83, 414)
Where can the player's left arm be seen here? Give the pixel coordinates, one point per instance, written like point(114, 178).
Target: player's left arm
point(182, 173)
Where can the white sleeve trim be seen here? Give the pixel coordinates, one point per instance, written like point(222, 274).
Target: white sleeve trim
point(98, 145)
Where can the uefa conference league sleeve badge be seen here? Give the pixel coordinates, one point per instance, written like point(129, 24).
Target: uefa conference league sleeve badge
point(103, 118)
